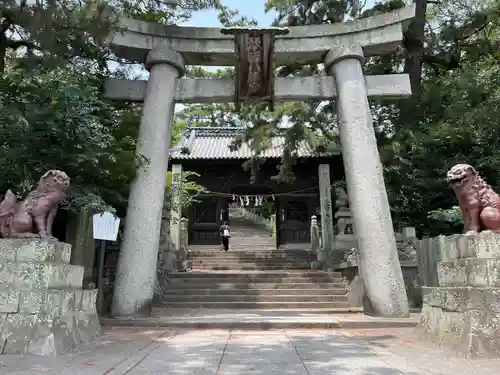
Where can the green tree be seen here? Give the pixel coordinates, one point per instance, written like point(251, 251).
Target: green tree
point(53, 59)
point(56, 118)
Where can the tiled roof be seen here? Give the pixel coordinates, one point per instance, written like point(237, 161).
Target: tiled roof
point(213, 143)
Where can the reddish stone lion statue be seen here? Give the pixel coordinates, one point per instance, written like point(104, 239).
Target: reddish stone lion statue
point(33, 217)
point(479, 204)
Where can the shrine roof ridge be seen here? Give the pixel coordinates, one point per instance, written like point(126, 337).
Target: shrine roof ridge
point(215, 131)
point(213, 143)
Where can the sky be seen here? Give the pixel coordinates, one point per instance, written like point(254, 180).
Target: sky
point(250, 8)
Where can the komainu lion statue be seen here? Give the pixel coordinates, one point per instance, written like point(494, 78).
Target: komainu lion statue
point(479, 204)
point(33, 217)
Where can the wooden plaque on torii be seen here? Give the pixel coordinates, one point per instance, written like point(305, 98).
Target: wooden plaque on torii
point(254, 69)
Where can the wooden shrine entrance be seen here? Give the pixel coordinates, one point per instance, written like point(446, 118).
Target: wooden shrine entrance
point(227, 182)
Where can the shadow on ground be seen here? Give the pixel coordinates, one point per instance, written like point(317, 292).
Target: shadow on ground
point(136, 351)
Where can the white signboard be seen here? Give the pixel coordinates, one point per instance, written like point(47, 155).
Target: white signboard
point(105, 226)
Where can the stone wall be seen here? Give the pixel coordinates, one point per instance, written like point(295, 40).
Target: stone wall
point(43, 308)
point(461, 300)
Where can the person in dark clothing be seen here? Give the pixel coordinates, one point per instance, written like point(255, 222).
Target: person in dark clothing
point(225, 235)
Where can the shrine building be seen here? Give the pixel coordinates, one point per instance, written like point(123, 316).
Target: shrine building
point(223, 175)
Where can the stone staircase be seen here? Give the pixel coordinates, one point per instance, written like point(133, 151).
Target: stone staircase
point(254, 275)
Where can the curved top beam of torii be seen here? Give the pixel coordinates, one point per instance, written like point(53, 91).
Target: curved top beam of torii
point(377, 35)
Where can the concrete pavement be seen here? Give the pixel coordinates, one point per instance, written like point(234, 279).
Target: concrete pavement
point(141, 351)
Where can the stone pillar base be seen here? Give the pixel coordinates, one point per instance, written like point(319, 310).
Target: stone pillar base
point(43, 308)
point(463, 318)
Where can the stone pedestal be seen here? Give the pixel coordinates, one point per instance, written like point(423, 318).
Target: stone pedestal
point(43, 308)
point(463, 311)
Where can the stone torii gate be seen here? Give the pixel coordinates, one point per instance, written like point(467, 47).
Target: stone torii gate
point(166, 50)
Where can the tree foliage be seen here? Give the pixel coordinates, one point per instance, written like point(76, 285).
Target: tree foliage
point(53, 59)
point(56, 119)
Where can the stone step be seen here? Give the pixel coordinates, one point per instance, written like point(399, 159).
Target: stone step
point(252, 262)
point(186, 287)
point(281, 298)
point(332, 318)
point(251, 267)
point(258, 274)
point(252, 255)
point(40, 275)
point(340, 291)
point(259, 305)
point(34, 250)
point(269, 276)
point(218, 254)
point(251, 249)
point(285, 266)
point(264, 253)
point(237, 249)
point(252, 244)
point(288, 282)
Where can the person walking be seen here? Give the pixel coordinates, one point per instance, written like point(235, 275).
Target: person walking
point(225, 235)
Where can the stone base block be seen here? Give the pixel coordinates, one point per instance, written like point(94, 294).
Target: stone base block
point(34, 250)
point(448, 248)
point(40, 275)
point(48, 322)
point(474, 272)
point(43, 308)
point(466, 319)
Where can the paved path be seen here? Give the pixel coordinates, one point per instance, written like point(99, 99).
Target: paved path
point(135, 351)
